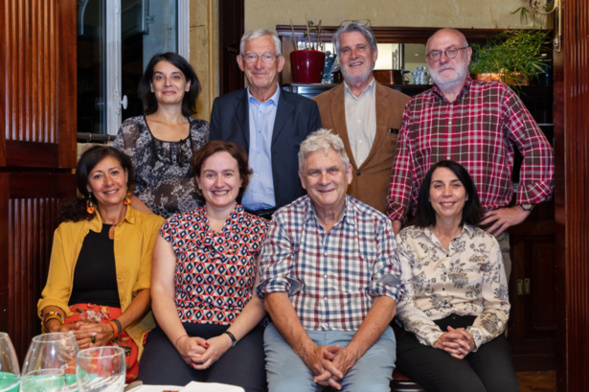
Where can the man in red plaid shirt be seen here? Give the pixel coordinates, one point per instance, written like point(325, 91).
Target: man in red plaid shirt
point(476, 124)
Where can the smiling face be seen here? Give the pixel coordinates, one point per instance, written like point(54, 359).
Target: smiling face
point(169, 83)
point(108, 182)
point(261, 76)
point(326, 179)
point(219, 180)
point(447, 195)
point(356, 57)
point(447, 72)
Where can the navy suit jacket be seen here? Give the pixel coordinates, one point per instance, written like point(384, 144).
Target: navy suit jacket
point(296, 117)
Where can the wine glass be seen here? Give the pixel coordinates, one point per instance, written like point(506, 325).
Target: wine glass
point(101, 369)
point(57, 350)
point(9, 373)
point(44, 380)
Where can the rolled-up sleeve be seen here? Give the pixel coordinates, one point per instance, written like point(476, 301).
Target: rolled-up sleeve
point(386, 279)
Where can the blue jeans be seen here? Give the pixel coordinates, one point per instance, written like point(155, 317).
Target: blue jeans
point(287, 372)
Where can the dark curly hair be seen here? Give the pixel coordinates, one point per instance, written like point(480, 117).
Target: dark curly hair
point(234, 150)
point(472, 212)
point(148, 97)
point(75, 209)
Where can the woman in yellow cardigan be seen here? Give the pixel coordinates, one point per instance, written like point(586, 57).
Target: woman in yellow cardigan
point(100, 268)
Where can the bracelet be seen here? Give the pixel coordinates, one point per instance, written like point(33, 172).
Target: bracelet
point(233, 340)
point(119, 326)
point(177, 340)
point(49, 316)
point(115, 330)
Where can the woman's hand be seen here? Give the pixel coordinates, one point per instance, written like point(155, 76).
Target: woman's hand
point(456, 342)
point(101, 332)
point(191, 348)
point(217, 346)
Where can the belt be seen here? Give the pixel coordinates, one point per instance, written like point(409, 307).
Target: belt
point(264, 213)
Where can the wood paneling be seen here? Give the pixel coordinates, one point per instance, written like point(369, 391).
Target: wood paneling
point(572, 186)
point(37, 149)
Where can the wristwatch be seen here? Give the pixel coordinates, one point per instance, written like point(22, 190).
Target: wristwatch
point(527, 207)
point(232, 337)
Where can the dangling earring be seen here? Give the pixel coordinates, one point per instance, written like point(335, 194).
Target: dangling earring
point(89, 205)
point(127, 199)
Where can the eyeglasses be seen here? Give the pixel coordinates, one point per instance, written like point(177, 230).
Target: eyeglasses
point(436, 55)
point(267, 58)
point(364, 22)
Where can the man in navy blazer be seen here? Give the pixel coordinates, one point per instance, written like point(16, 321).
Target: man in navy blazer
point(268, 123)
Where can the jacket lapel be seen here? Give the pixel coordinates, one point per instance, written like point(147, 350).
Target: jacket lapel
point(242, 117)
point(338, 117)
point(283, 114)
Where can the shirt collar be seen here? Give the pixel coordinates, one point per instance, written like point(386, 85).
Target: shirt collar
point(368, 90)
point(95, 224)
point(347, 216)
point(463, 92)
point(466, 229)
point(273, 99)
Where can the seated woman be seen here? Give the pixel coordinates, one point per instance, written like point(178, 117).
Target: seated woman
point(456, 305)
point(100, 268)
point(204, 268)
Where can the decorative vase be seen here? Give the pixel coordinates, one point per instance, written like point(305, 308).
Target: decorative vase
point(307, 65)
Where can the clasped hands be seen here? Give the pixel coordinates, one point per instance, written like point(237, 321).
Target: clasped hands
point(456, 342)
point(201, 353)
point(329, 364)
point(88, 334)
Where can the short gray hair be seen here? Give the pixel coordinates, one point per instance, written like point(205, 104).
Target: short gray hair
point(322, 139)
point(257, 33)
point(354, 26)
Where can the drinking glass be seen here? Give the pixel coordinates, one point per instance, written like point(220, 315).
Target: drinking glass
point(101, 369)
point(44, 380)
point(57, 350)
point(9, 373)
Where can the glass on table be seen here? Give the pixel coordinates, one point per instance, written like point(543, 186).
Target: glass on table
point(9, 371)
point(101, 369)
point(56, 350)
point(44, 380)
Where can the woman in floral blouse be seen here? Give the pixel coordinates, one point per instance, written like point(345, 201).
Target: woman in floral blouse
point(456, 305)
point(204, 269)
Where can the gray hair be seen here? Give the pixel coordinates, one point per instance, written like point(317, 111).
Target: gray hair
point(257, 33)
point(354, 26)
point(322, 139)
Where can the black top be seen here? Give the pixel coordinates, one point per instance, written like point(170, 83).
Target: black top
point(95, 276)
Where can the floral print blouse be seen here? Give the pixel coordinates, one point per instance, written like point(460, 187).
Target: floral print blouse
point(467, 280)
point(163, 178)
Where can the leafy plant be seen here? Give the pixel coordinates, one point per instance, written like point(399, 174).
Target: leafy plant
point(312, 29)
point(515, 54)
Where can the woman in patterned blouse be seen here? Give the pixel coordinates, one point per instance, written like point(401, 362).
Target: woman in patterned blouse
point(162, 142)
point(204, 269)
point(456, 305)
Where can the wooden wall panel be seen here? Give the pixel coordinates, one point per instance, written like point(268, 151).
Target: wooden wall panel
point(572, 190)
point(38, 81)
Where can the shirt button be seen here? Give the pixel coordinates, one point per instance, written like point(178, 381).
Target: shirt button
point(325, 276)
point(358, 173)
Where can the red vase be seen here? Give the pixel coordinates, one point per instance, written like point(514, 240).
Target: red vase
point(307, 65)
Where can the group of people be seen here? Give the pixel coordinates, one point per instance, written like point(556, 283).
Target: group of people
point(281, 263)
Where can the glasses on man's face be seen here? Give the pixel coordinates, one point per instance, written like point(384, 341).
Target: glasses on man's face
point(436, 55)
point(267, 58)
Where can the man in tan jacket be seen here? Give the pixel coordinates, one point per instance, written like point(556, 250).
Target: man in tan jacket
point(364, 113)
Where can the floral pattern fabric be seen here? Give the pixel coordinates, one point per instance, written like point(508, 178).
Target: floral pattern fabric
point(215, 271)
point(163, 178)
point(467, 279)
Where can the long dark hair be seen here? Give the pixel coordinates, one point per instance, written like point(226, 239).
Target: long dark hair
point(75, 209)
point(472, 212)
point(148, 97)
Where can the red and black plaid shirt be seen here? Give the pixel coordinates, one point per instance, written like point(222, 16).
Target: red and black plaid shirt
point(478, 130)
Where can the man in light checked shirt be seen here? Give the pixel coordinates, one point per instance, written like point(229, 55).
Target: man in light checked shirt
point(330, 280)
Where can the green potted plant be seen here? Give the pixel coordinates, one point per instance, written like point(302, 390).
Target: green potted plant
point(513, 56)
point(307, 63)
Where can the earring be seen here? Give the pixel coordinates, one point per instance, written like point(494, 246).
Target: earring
point(127, 200)
point(89, 205)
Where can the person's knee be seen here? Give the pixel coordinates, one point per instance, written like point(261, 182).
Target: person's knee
point(285, 383)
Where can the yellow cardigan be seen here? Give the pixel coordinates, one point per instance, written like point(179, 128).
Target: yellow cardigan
point(134, 239)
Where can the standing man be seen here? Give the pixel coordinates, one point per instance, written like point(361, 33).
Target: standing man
point(330, 281)
point(266, 122)
point(364, 113)
point(476, 124)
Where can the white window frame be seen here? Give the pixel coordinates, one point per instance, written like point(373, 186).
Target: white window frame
point(114, 111)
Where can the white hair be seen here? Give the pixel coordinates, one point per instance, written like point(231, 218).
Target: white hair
point(257, 33)
point(322, 139)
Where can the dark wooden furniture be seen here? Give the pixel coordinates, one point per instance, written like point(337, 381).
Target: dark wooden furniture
point(37, 150)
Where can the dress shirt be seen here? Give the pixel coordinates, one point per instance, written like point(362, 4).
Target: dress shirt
point(134, 238)
point(478, 130)
point(215, 271)
point(332, 277)
point(360, 121)
point(468, 279)
point(259, 194)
